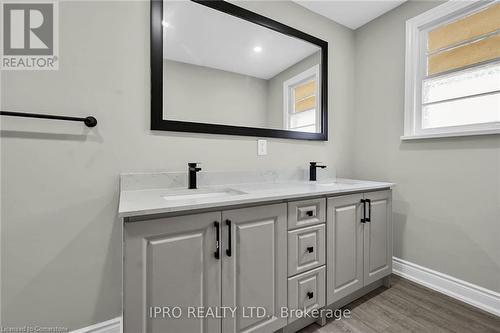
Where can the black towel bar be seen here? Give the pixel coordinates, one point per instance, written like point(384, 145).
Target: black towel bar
point(88, 121)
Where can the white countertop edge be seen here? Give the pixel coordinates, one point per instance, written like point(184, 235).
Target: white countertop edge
point(247, 199)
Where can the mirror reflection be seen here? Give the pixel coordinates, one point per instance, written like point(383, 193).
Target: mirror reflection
point(229, 71)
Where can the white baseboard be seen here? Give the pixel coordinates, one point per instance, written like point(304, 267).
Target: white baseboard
point(466, 292)
point(108, 326)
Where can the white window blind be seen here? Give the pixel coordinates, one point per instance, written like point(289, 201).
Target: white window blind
point(303, 115)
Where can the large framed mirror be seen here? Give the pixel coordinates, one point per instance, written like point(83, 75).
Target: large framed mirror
point(219, 68)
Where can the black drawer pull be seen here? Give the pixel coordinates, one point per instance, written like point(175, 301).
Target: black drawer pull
point(369, 202)
point(310, 294)
point(217, 242)
point(310, 213)
point(363, 218)
point(310, 249)
point(228, 250)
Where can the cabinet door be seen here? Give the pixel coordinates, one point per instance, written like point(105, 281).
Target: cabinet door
point(254, 273)
point(170, 263)
point(344, 246)
point(378, 236)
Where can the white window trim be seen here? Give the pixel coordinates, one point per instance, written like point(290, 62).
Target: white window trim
point(313, 71)
point(416, 39)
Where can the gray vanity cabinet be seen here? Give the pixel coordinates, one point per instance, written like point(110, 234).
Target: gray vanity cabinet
point(359, 242)
point(170, 262)
point(378, 237)
point(254, 261)
point(344, 246)
point(174, 262)
point(255, 274)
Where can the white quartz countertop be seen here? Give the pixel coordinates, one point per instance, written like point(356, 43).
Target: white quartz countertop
point(137, 202)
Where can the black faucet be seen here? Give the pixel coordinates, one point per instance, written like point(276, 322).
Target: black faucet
point(192, 170)
point(312, 170)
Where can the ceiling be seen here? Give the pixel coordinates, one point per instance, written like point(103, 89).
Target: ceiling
point(353, 14)
point(224, 42)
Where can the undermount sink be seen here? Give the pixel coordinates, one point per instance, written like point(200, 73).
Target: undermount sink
point(337, 182)
point(197, 194)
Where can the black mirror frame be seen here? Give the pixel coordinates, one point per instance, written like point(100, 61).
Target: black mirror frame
point(157, 121)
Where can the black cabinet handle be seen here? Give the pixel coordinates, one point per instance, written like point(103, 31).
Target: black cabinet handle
point(310, 294)
point(310, 249)
point(309, 213)
point(363, 218)
point(228, 250)
point(369, 202)
point(217, 242)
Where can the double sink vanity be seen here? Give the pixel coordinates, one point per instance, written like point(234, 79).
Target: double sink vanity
point(242, 251)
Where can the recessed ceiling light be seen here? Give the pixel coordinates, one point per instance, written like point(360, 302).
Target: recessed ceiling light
point(165, 24)
point(257, 49)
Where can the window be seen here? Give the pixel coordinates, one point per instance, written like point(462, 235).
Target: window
point(301, 98)
point(453, 71)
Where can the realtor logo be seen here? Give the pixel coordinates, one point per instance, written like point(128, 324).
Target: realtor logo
point(29, 36)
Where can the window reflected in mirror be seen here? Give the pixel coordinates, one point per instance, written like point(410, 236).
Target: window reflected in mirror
point(301, 94)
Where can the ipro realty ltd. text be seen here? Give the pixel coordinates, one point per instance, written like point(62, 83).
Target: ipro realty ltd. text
point(220, 312)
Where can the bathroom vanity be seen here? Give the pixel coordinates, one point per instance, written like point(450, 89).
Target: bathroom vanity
point(254, 247)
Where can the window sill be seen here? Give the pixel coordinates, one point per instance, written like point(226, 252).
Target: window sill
point(448, 135)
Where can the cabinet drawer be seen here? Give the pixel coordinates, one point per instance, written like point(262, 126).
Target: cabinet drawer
point(306, 212)
point(306, 249)
point(307, 291)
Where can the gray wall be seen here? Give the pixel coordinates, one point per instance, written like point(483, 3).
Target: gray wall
point(447, 201)
point(209, 95)
point(275, 102)
point(61, 238)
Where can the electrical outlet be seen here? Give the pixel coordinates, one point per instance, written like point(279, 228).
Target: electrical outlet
point(261, 147)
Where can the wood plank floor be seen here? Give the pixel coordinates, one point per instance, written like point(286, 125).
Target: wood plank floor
point(409, 307)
